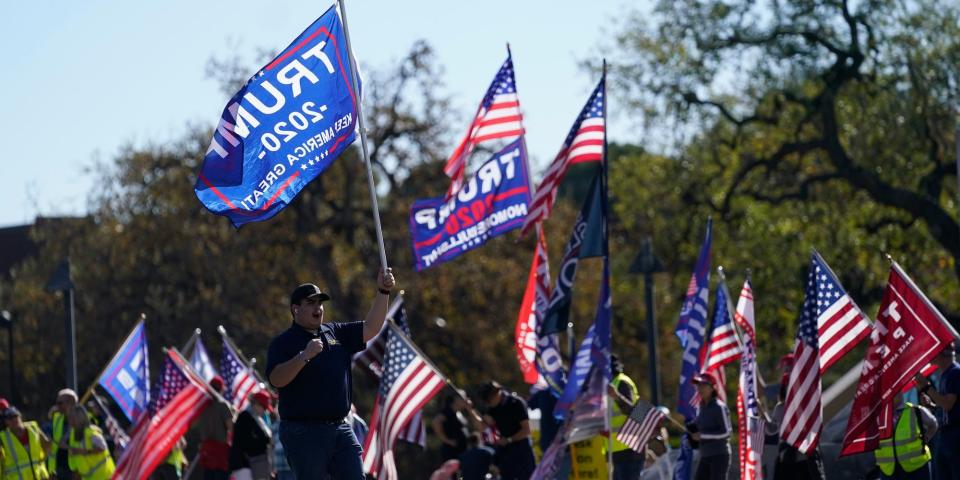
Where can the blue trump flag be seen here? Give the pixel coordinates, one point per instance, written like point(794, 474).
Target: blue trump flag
point(127, 376)
point(594, 352)
point(690, 327)
point(586, 240)
point(283, 128)
point(493, 202)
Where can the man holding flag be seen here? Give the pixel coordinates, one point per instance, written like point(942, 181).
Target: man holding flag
point(309, 363)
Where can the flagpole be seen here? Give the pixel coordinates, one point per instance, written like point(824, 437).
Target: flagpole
point(191, 342)
point(226, 338)
point(96, 380)
point(605, 205)
point(363, 136)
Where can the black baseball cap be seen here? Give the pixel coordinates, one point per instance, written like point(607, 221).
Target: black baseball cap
point(307, 290)
point(11, 412)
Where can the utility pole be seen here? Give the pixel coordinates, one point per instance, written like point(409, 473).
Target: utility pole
point(648, 264)
point(61, 281)
point(8, 323)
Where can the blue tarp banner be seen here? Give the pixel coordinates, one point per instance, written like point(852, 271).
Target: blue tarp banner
point(493, 202)
point(283, 128)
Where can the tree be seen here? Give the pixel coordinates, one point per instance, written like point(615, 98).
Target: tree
point(793, 104)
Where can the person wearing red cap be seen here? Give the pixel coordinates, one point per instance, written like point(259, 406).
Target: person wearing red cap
point(251, 438)
point(214, 426)
point(310, 363)
point(4, 405)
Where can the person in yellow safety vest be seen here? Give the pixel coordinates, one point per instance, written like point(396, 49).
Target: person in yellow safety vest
point(172, 467)
point(57, 459)
point(905, 455)
point(22, 456)
point(89, 458)
point(627, 464)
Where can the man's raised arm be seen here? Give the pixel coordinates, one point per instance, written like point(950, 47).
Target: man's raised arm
point(378, 311)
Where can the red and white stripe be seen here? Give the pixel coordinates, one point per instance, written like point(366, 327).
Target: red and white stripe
point(723, 347)
point(244, 384)
point(154, 436)
point(414, 387)
point(840, 328)
point(750, 425)
point(802, 417)
point(636, 433)
point(587, 146)
point(502, 120)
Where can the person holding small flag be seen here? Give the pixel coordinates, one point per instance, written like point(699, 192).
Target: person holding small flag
point(627, 463)
point(310, 365)
point(713, 432)
point(24, 446)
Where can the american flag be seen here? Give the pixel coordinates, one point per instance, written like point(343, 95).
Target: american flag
point(584, 143)
point(723, 346)
point(178, 399)
point(498, 116)
point(371, 360)
point(841, 325)
point(407, 384)
point(640, 426)
point(238, 378)
point(749, 415)
point(824, 302)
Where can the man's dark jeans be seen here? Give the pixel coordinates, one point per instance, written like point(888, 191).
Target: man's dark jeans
point(516, 461)
point(315, 450)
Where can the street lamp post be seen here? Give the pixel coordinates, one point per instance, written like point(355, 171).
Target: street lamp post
point(8, 323)
point(647, 264)
point(62, 281)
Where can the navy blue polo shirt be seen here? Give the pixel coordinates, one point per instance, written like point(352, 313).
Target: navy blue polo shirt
point(322, 389)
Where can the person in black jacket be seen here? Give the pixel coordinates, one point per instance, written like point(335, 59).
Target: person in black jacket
point(713, 432)
point(251, 438)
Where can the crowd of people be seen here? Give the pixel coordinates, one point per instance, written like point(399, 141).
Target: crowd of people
point(310, 429)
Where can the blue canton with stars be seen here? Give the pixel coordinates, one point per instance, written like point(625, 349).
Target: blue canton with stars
point(398, 357)
point(823, 291)
point(593, 109)
point(230, 367)
point(172, 381)
point(503, 84)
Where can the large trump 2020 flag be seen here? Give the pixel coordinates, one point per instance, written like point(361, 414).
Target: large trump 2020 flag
point(283, 128)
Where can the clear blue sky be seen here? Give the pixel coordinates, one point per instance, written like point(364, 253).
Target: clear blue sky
point(82, 79)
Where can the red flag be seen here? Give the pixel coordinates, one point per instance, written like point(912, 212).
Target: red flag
point(529, 318)
point(908, 333)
